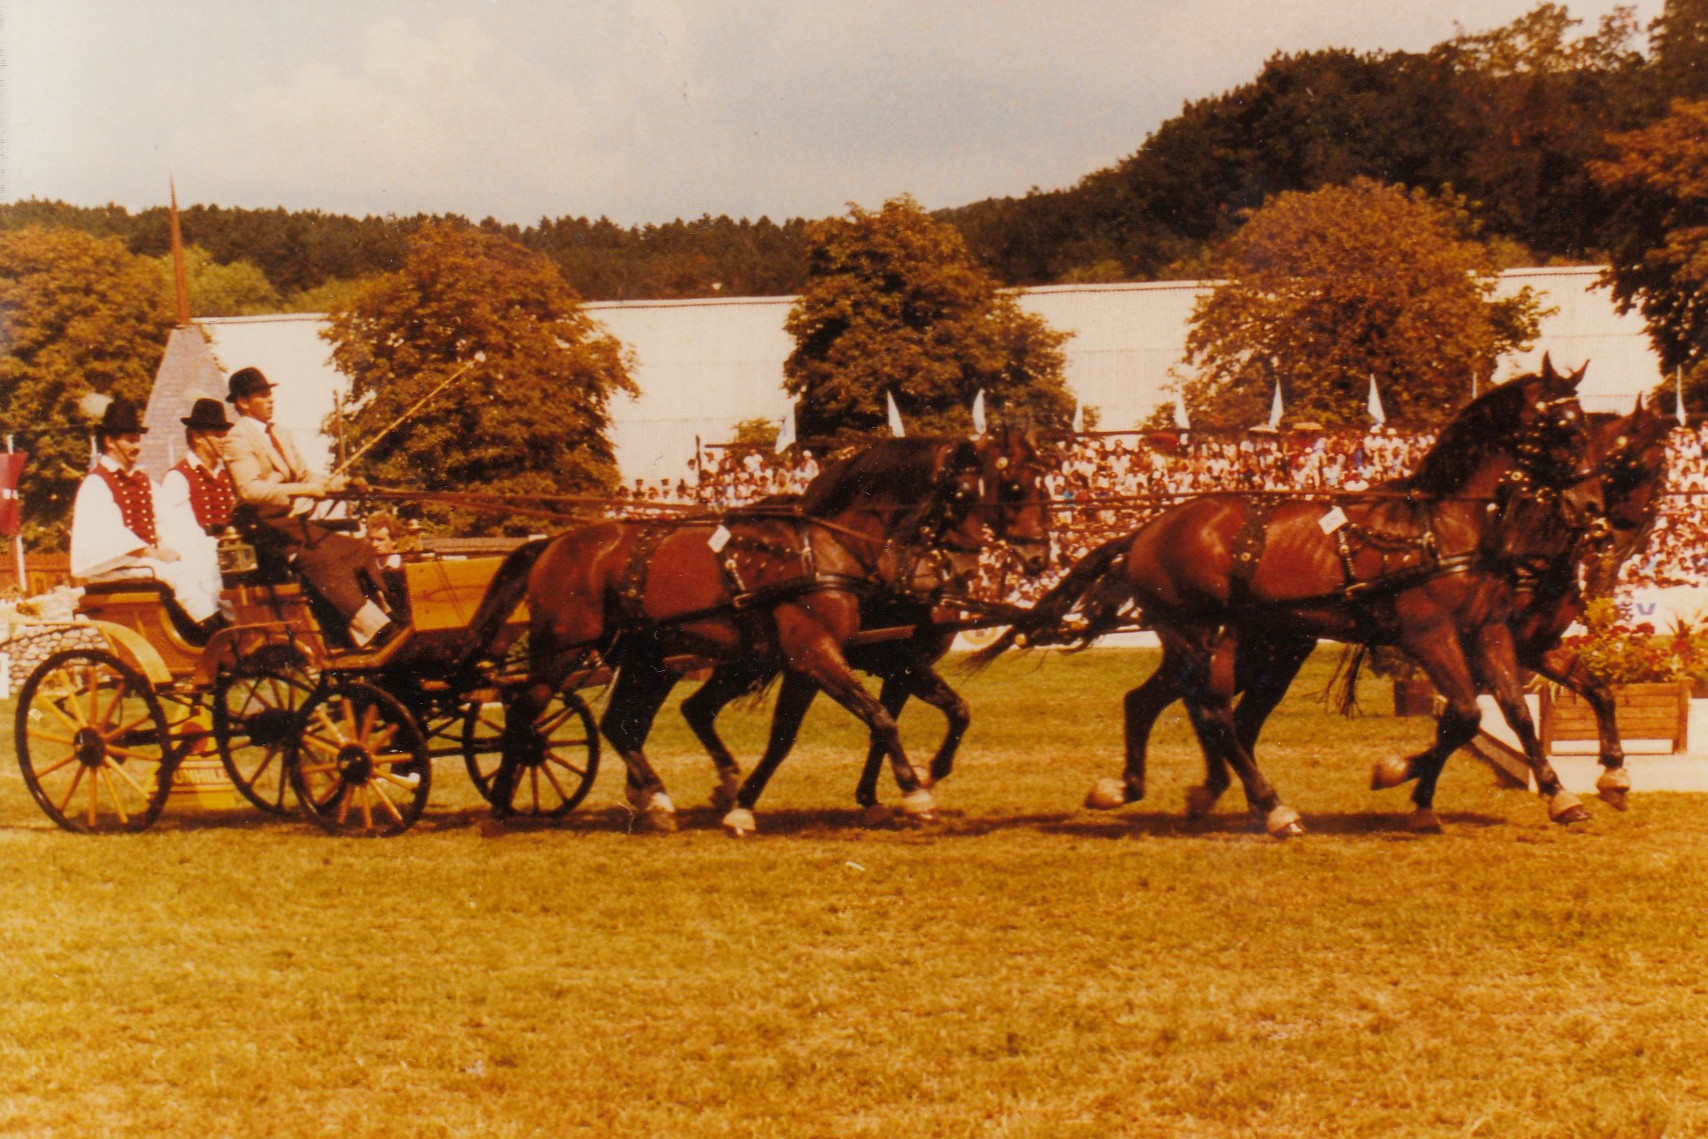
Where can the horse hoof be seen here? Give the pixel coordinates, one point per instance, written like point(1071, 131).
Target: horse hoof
point(1389, 773)
point(1564, 807)
point(926, 779)
point(875, 815)
point(1283, 822)
point(1613, 786)
point(918, 804)
point(1200, 801)
point(659, 813)
point(1423, 821)
point(739, 823)
point(1106, 795)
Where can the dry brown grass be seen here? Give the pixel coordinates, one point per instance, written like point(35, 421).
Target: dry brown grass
point(1021, 969)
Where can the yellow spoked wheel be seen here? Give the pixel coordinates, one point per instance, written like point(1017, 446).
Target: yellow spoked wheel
point(93, 743)
point(557, 763)
point(361, 765)
point(255, 720)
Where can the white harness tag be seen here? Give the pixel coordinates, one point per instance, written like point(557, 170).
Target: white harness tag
point(719, 539)
point(1332, 521)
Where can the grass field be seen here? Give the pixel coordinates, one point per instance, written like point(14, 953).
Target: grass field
point(1021, 968)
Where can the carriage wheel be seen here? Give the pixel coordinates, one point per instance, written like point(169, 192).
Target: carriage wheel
point(93, 743)
point(255, 719)
point(557, 764)
point(360, 763)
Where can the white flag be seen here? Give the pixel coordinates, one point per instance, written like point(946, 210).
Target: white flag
point(978, 413)
point(1275, 407)
point(1375, 403)
point(1180, 418)
point(786, 433)
point(1078, 417)
point(896, 427)
point(1678, 396)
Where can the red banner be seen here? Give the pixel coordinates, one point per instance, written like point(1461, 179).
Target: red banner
point(11, 509)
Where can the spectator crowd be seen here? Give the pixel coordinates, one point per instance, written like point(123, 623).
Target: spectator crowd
point(1107, 484)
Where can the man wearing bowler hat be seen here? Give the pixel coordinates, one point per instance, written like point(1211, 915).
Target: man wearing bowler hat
point(114, 519)
point(197, 496)
point(272, 478)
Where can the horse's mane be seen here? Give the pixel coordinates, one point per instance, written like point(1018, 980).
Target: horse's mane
point(1486, 425)
point(887, 472)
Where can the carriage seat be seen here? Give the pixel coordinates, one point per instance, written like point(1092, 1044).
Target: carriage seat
point(130, 600)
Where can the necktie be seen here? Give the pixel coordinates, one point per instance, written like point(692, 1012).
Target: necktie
point(279, 450)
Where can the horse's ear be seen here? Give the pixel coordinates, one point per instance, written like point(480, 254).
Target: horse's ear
point(1576, 377)
point(1548, 372)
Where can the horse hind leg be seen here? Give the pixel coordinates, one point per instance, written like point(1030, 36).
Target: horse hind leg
point(1563, 668)
point(636, 696)
point(793, 699)
point(701, 710)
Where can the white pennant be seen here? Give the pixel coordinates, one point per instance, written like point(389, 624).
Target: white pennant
point(978, 413)
point(786, 433)
point(1375, 403)
point(1275, 407)
point(896, 427)
point(1078, 417)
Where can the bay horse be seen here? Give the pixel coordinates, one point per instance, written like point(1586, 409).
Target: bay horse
point(908, 629)
point(1240, 587)
point(1629, 453)
point(1633, 470)
point(765, 582)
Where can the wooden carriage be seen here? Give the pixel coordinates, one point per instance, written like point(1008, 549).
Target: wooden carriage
point(106, 729)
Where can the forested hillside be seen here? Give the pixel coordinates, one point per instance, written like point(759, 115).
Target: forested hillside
point(1508, 118)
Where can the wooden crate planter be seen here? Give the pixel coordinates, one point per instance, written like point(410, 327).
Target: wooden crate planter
point(1657, 711)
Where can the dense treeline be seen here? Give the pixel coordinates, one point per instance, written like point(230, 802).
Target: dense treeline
point(1509, 119)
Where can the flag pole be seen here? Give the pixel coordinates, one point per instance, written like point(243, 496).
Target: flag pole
point(18, 538)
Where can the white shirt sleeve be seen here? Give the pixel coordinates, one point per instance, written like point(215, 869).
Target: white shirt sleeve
point(100, 540)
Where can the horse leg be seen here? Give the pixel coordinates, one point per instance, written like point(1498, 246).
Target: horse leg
point(822, 663)
point(793, 699)
point(1497, 663)
point(893, 696)
point(928, 685)
point(638, 693)
point(728, 682)
point(1442, 658)
point(1139, 709)
point(1209, 704)
point(1562, 667)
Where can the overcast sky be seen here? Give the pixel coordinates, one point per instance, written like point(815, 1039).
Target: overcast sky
point(640, 111)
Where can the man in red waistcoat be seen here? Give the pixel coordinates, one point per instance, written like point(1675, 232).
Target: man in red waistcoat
point(197, 496)
point(114, 528)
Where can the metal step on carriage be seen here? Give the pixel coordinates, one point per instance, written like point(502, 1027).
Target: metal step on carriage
point(108, 729)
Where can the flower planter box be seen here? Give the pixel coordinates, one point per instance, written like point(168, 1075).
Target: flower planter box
point(1414, 697)
point(1657, 713)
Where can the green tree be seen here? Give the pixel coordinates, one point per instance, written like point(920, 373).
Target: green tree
point(529, 418)
point(78, 314)
point(1324, 290)
point(1679, 43)
point(236, 289)
point(894, 304)
point(1658, 258)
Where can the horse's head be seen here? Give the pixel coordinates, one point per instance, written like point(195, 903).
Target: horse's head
point(1551, 434)
point(1014, 502)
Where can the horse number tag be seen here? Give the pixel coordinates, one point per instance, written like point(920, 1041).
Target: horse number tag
point(1332, 521)
point(719, 539)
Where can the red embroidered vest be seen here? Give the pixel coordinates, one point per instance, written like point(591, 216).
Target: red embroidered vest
point(135, 496)
point(212, 495)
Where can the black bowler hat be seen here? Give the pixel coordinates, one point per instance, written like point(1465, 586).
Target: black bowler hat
point(247, 381)
point(120, 418)
point(207, 415)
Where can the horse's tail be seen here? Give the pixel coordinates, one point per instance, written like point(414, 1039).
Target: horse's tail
point(1342, 688)
point(1053, 607)
point(509, 585)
